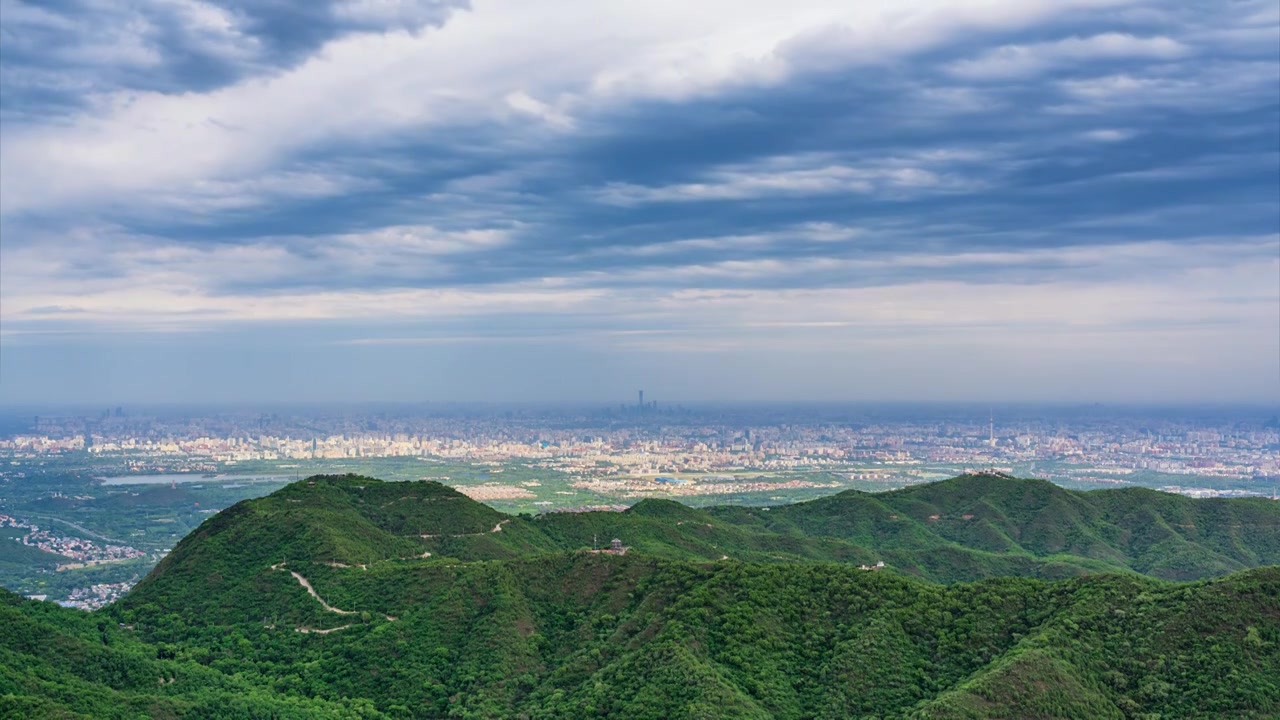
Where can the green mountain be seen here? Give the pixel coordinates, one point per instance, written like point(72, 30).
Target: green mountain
point(347, 596)
point(987, 525)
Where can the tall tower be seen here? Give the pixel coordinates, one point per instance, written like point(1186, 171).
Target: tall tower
point(992, 428)
point(641, 399)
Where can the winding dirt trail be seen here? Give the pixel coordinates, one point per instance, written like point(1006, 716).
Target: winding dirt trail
point(322, 632)
point(496, 529)
point(362, 566)
point(306, 585)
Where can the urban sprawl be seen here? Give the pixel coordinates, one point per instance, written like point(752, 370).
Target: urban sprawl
point(639, 442)
point(568, 460)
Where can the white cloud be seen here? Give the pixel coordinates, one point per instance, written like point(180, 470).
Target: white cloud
point(401, 244)
point(1108, 134)
point(1019, 61)
point(118, 281)
point(1187, 86)
point(203, 196)
point(1093, 317)
point(1120, 312)
point(117, 278)
point(807, 175)
point(585, 54)
point(528, 105)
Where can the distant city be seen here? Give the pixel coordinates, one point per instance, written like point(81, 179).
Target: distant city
point(1080, 445)
point(95, 498)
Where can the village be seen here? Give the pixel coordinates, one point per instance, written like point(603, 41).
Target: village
point(83, 552)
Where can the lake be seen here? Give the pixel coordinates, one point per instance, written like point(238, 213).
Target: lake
point(189, 478)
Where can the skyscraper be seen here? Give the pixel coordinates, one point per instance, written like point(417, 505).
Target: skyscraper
point(641, 405)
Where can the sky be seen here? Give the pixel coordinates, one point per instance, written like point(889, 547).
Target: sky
point(382, 200)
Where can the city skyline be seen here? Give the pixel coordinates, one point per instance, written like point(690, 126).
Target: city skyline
point(164, 470)
point(619, 451)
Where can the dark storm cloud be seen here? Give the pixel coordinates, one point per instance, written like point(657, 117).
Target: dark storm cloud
point(59, 53)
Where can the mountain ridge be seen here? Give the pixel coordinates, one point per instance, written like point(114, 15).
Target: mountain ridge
point(961, 529)
point(344, 596)
point(588, 635)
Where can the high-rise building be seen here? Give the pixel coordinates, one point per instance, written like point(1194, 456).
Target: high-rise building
point(641, 405)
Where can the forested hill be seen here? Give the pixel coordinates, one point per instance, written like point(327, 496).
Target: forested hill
point(1158, 534)
point(963, 529)
point(344, 596)
point(635, 637)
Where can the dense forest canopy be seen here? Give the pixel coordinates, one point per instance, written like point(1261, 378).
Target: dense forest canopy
point(343, 596)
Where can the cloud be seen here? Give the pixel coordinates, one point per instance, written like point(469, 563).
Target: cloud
point(58, 52)
point(1107, 134)
point(717, 177)
point(408, 272)
point(522, 102)
point(807, 233)
point(1021, 61)
point(364, 84)
point(1238, 82)
point(803, 175)
point(104, 263)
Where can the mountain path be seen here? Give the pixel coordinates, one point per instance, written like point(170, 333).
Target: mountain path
point(322, 632)
point(362, 566)
point(496, 529)
point(306, 585)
